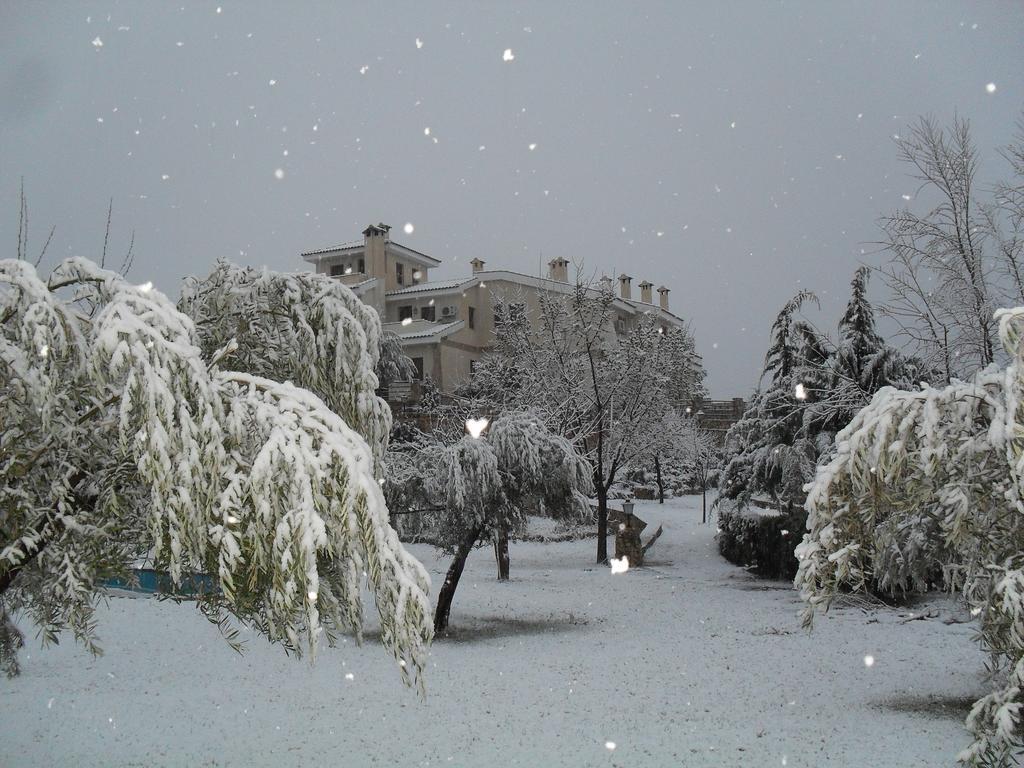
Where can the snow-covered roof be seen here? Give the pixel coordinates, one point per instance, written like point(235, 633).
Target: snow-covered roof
point(436, 285)
point(412, 254)
point(360, 288)
point(332, 249)
point(544, 283)
point(419, 331)
point(395, 249)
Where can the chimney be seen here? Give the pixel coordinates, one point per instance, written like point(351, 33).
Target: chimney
point(559, 270)
point(478, 265)
point(624, 288)
point(663, 297)
point(377, 230)
point(645, 292)
point(375, 247)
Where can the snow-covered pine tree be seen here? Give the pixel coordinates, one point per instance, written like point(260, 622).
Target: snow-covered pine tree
point(489, 484)
point(932, 481)
point(123, 435)
point(815, 389)
point(768, 451)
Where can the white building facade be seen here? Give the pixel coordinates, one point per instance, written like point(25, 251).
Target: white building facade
point(446, 326)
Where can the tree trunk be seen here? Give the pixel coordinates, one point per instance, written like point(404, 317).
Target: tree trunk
point(657, 474)
point(501, 552)
point(704, 502)
point(602, 522)
point(451, 581)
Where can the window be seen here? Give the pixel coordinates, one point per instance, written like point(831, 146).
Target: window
point(428, 313)
point(472, 317)
point(472, 366)
point(362, 266)
point(400, 272)
point(499, 314)
point(418, 362)
point(337, 269)
point(516, 311)
point(405, 313)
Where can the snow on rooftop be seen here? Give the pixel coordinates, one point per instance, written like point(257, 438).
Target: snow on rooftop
point(422, 329)
point(438, 285)
point(342, 247)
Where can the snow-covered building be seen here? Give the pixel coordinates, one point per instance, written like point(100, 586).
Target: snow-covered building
point(447, 325)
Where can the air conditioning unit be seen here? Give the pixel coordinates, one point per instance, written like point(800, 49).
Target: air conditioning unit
point(450, 311)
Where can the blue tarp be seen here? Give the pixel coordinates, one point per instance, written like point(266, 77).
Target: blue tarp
point(154, 582)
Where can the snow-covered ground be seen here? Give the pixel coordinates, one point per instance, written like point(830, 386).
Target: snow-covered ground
point(687, 662)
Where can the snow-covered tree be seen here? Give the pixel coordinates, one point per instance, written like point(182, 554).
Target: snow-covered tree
point(679, 447)
point(490, 483)
point(931, 482)
point(814, 388)
point(124, 434)
point(954, 264)
point(604, 390)
point(303, 328)
point(769, 451)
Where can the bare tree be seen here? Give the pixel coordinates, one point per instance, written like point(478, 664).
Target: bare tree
point(603, 389)
point(949, 267)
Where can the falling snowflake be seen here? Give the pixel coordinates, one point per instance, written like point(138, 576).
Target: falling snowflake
point(476, 427)
point(279, 173)
point(619, 566)
point(508, 55)
point(349, 676)
point(419, 43)
point(407, 321)
point(165, 176)
point(905, 197)
point(533, 147)
point(801, 392)
point(273, 82)
point(364, 69)
point(408, 228)
point(97, 42)
point(869, 661)
point(991, 87)
point(609, 745)
point(146, 287)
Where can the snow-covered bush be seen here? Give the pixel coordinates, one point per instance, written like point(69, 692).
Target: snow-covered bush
point(761, 539)
point(123, 434)
point(931, 480)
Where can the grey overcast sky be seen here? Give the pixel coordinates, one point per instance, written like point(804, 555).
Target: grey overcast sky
point(733, 151)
